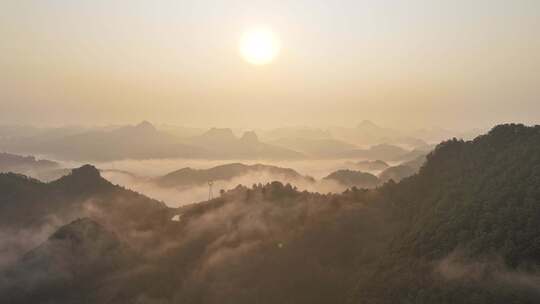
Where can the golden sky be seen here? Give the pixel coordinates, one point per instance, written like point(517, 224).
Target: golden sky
point(414, 63)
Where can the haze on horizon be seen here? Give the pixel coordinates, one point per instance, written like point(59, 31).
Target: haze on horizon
point(459, 64)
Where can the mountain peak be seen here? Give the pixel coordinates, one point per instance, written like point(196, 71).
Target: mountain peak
point(86, 171)
point(367, 124)
point(220, 133)
point(83, 179)
point(145, 126)
point(250, 137)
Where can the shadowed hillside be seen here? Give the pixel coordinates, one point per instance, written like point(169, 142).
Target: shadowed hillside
point(76, 257)
point(30, 209)
point(192, 177)
point(225, 145)
point(464, 229)
point(351, 178)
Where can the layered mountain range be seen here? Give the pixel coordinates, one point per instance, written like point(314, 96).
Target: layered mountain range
point(145, 141)
point(464, 229)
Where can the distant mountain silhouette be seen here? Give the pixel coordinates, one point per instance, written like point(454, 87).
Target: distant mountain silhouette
point(384, 152)
point(144, 141)
point(371, 165)
point(186, 177)
point(18, 164)
point(396, 173)
point(318, 148)
point(225, 145)
point(369, 133)
point(417, 153)
point(137, 142)
point(351, 178)
point(464, 229)
point(249, 138)
point(215, 137)
point(399, 172)
point(340, 142)
point(29, 165)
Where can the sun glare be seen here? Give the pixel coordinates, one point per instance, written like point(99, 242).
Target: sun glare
point(259, 46)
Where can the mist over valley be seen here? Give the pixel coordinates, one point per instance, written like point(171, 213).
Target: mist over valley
point(270, 152)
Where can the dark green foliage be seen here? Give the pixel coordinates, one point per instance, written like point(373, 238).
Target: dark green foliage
point(479, 199)
point(465, 229)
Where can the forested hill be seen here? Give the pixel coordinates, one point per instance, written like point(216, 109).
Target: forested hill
point(465, 229)
point(469, 224)
point(26, 202)
point(481, 195)
point(189, 177)
point(31, 210)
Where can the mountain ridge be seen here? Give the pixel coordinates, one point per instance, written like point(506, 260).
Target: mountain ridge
point(461, 230)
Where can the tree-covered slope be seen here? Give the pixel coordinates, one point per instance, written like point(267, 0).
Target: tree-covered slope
point(468, 225)
point(464, 229)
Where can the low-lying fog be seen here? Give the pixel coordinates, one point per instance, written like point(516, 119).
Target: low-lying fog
point(157, 167)
point(138, 174)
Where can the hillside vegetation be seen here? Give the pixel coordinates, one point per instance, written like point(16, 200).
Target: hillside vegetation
point(464, 229)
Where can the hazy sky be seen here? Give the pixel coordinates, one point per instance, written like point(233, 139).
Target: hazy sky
point(418, 62)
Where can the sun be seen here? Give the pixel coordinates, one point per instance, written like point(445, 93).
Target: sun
point(259, 46)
